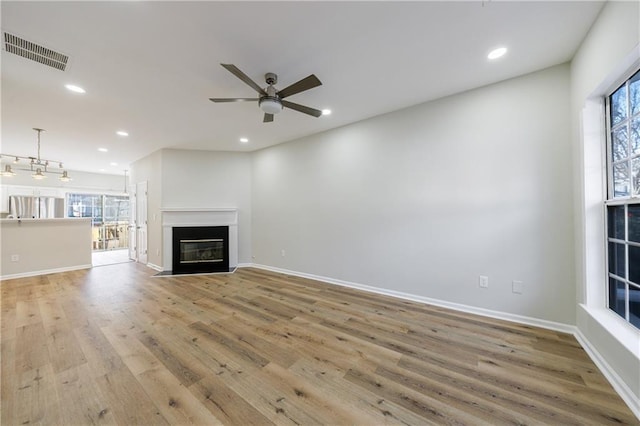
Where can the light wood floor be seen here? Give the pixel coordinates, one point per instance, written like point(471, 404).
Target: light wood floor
point(111, 345)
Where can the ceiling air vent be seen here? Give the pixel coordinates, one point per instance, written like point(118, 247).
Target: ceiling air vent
point(35, 52)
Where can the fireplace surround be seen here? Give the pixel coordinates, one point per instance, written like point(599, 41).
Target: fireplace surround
point(199, 218)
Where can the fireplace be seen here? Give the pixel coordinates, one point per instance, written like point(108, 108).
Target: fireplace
point(200, 249)
point(197, 217)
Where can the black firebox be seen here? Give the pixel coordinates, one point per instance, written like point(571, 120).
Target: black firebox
point(200, 249)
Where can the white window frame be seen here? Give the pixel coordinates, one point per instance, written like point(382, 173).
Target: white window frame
point(592, 270)
point(625, 201)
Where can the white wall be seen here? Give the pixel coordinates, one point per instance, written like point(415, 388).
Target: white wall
point(195, 179)
point(603, 61)
point(426, 199)
point(204, 179)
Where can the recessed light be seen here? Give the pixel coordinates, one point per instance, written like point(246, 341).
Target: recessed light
point(122, 133)
point(103, 150)
point(74, 88)
point(497, 53)
point(326, 112)
point(113, 164)
point(244, 140)
point(101, 170)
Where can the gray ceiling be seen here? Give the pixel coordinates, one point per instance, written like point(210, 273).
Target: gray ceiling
point(150, 67)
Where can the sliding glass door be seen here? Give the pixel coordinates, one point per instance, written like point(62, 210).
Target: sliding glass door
point(109, 218)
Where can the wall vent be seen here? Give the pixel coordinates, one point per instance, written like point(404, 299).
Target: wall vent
point(35, 52)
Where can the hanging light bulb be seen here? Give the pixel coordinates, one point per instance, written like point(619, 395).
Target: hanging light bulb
point(7, 171)
point(38, 174)
point(65, 177)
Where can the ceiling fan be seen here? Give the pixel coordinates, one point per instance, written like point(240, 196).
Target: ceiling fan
point(271, 100)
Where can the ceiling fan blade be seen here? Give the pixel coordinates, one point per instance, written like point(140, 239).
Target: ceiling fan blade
point(268, 118)
point(232, 99)
point(302, 108)
point(305, 84)
point(242, 76)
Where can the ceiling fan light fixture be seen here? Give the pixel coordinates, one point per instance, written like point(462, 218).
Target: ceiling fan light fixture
point(270, 105)
point(65, 177)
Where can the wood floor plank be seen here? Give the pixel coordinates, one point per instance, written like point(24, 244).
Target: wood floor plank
point(8, 299)
point(37, 398)
point(130, 350)
point(370, 407)
point(181, 366)
point(64, 350)
point(174, 401)
point(8, 382)
point(31, 350)
point(128, 402)
point(27, 312)
point(432, 410)
point(226, 404)
point(115, 345)
point(81, 400)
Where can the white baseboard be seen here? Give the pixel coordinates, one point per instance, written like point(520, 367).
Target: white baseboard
point(44, 272)
point(520, 319)
point(632, 400)
point(156, 267)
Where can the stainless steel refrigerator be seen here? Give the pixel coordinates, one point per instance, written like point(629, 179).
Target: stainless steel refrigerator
point(24, 207)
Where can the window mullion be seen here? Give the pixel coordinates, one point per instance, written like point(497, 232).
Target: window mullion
point(623, 192)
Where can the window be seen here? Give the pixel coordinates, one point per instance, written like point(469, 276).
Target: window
point(109, 218)
point(623, 203)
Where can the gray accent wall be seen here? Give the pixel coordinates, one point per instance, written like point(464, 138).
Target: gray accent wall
point(426, 199)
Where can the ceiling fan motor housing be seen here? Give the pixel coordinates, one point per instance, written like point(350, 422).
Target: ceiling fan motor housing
point(271, 78)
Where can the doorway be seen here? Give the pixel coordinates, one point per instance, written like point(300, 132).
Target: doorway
point(109, 224)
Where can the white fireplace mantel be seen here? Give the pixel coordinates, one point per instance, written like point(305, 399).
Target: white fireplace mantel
point(198, 217)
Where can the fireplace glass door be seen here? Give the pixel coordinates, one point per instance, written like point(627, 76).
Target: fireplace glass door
point(202, 251)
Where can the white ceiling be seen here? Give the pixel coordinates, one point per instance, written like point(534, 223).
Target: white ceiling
point(151, 67)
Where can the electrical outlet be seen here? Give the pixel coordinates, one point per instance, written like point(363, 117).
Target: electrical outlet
point(517, 287)
point(283, 253)
point(15, 258)
point(483, 281)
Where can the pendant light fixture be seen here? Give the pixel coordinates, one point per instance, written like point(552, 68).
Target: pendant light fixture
point(7, 171)
point(37, 165)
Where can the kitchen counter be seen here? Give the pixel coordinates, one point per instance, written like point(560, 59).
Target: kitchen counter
point(41, 246)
